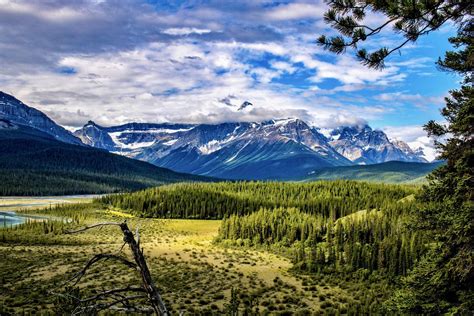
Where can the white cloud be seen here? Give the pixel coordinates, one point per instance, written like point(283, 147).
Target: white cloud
point(283, 66)
point(130, 62)
point(60, 14)
point(418, 100)
point(185, 31)
point(348, 71)
point(293, 11)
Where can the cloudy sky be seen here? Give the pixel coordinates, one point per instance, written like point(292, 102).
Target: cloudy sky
point(115, 61)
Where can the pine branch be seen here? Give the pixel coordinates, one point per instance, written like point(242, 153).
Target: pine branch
point(412, 20)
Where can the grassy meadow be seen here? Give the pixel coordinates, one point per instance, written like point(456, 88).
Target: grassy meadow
point(193, 273)
point(206, 266)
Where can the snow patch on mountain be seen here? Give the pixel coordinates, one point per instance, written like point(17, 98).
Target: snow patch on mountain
point(280, 147)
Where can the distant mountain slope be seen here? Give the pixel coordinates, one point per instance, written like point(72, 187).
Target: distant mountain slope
point(390, 172)
point(284, 149)
point(277, 149)
point(35, 163)
point(363, 145)
point(15, 111)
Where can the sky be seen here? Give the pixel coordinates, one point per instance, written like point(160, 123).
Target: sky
point(196, 61)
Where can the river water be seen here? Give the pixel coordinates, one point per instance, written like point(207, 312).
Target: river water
point(12, 218)
point(8, 206)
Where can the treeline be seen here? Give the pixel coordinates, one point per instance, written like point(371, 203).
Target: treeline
point(23, 182)
point(329, 199)
point(374, 239)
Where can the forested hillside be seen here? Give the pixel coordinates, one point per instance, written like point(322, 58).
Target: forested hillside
point(357, 233)
point(33, 163)
point(369, 239)
point(331, 199)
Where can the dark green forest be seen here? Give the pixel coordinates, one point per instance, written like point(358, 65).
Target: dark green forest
point(330, 199)
point(32, 163)
point(374, 239)
point(354, 232)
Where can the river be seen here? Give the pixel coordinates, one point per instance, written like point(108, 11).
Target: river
point(9, 205)
point(12, 218)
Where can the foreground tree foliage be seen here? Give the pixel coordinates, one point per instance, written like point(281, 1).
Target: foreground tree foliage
point(411, 19)
point(443, 281)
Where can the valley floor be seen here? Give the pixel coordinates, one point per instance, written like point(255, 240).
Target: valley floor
point(193, 274)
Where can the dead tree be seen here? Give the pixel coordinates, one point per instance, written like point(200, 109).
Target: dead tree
point(121, 298)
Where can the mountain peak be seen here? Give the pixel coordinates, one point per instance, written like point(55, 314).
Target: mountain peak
point(16, 112)
point(92, 123)
point(10, 98)
point(364, 145)
point(244, 105)
point(351, 132)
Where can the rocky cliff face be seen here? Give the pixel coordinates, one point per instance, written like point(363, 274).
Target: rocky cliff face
point(363, 145)
point(15, 111)
point(277, 149)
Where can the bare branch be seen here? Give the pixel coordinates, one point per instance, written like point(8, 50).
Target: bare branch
point(140, 264)
point(103, 256)
point(103, 306)
point(92, 226)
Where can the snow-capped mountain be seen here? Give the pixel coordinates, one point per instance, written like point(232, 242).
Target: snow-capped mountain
point(363, 145)
point(417, 154)
point(276, 149)
point(15, 111)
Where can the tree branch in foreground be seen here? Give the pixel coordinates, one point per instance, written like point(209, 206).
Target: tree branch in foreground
point(118, 295)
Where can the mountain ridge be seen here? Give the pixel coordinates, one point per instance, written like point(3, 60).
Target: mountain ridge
point(41, 162)
point(17, 112)
point(213, 149)
point(363, 145)
point(284, 148)
point(278, 149)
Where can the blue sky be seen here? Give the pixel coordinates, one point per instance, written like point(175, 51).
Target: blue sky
point(197, 61)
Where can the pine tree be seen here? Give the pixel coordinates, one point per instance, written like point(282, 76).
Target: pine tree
point(411, 19)
point(443, 280)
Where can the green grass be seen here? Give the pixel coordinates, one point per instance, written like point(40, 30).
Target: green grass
point(192, 273)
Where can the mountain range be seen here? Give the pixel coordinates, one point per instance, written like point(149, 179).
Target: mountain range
point(283, 149)
point(39, 157)
point(15, 111)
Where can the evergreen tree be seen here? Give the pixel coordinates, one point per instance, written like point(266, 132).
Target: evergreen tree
point(410, 18)
point(443, 281)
